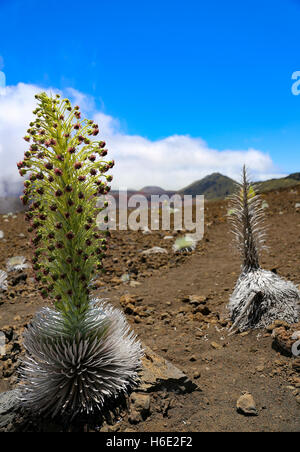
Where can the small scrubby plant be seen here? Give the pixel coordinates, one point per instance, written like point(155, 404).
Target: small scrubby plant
point(79, 353)
point(260, 296)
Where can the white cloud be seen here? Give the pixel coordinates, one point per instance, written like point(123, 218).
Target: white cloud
point(172, 162)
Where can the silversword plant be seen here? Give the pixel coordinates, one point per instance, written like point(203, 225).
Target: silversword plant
point(81, 352)
point(260, 296)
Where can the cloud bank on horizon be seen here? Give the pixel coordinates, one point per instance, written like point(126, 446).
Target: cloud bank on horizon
point(172, 163)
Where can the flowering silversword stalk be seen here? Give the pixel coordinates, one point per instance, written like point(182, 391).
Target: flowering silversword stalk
point(81, 352)
point(260, 297)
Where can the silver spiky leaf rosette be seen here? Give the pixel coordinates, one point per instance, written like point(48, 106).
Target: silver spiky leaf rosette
point(78, 373)
point(260, 297)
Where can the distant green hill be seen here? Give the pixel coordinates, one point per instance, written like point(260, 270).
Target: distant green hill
point(217, 186)
point(214, 186)
point(275, 184)
point(295, 176)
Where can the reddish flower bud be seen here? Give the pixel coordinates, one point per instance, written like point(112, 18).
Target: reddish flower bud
point(59, 225)
point(92, 157)
point(70, 235)
point(24, 200)
point(77, 165)
point(58, 193)
point(81, 178)
point(58, 172)
point(77, 126)
point(69, 188)
point(71, 150)
point(48, 166)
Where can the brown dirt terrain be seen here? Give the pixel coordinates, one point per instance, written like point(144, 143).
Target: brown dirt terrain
point(190, 332)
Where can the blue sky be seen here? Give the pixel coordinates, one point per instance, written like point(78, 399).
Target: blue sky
point(216, 70)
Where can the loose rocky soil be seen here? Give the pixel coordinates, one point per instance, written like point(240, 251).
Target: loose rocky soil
point(176, 304)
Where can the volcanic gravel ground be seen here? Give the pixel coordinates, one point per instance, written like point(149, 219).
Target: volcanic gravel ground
point(176, 304)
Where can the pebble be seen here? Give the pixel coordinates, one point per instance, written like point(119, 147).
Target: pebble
point(246, 405)
point(216, 346)
point(140, 407)
point(155, 250)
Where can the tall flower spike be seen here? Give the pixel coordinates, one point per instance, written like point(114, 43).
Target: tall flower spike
point(80, 353)
point(247, 222)
point(260, 297)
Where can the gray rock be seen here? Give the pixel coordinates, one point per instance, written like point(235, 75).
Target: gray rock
point(9, 404)
point(159, 374)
